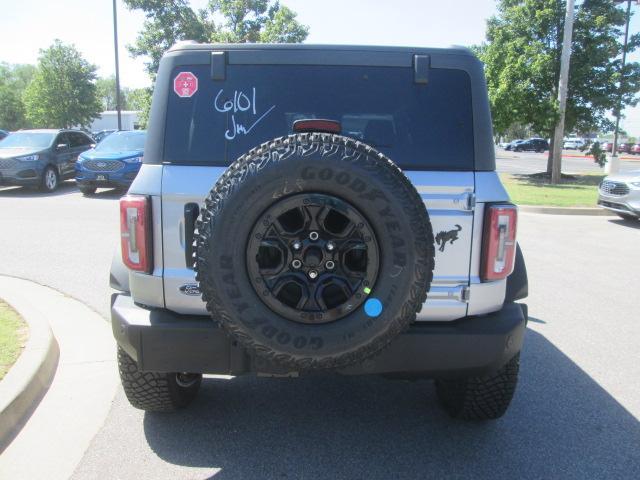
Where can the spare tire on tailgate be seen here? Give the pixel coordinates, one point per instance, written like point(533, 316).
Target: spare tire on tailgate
point(314, 251)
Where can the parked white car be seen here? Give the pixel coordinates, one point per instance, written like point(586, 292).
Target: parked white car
point(574, 143)
point(620, 193)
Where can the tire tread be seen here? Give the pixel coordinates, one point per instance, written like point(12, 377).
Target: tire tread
point(480, 398)
point(151, 391)
point(250, 164)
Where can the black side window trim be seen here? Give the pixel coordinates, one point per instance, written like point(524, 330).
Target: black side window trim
point(62, 137)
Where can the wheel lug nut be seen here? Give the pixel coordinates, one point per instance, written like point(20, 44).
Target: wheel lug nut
point(296, 264)
point(313, 274)
point(330, 246)
point(297, 245)
point(314, 236)
point(330, 265)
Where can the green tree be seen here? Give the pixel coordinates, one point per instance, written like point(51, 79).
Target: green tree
point(63, 91)
point(106, 91)
point(13, 81)
point(140, 99)
point(222, 21)
point(130, 98)
point(282, 26)
point(522, 58)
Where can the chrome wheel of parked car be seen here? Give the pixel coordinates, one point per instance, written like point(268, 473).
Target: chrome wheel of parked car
point(50, 179)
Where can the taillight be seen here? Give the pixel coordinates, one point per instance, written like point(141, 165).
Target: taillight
point(499, 241)
point(316, 125)
point(135, 233)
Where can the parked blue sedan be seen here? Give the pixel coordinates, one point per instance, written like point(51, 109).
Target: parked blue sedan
point(113, 163)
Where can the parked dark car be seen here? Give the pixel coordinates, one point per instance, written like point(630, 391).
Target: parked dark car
point(625, 148)
point(635, 149)
point(532, 145)
point(3, 134)
point(511, 145)
point(41, 158)
point(114, 162)
point(102, 134)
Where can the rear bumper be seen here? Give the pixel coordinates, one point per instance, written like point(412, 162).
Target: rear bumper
point(160, 340)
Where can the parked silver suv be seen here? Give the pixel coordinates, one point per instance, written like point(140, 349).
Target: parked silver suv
point(310, 208)
point(620, 193)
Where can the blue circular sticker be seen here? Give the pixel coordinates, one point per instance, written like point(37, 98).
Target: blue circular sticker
point(373, 307)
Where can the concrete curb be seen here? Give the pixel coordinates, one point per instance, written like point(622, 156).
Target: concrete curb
point(30, 377)
point(53, 438)
point(566, 210)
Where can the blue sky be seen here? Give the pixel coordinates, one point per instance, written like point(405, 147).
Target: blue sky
point(28, 25)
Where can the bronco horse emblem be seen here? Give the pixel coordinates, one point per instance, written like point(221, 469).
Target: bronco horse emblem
point(451, 236)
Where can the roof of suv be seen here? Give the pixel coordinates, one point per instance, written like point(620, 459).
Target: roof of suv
point(191, 45)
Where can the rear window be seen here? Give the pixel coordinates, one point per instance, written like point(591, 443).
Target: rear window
point(418, 126)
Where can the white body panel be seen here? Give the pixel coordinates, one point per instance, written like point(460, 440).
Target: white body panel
point(454, 201)
point(448, 198)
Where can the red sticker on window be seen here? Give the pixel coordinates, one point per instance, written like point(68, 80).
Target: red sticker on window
point(185, 84)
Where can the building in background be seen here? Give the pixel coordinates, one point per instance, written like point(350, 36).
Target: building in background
point(109, 120)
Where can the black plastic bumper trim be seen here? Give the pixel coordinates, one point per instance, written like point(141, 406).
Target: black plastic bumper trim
point(160, 340)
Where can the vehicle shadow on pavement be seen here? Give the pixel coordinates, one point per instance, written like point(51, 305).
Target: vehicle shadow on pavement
point(626, 223)
point(561, 424)
point(65, 188)
point(106, 194)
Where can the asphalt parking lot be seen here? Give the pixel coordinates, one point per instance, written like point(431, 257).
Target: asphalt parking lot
point(575, 414)
point(62, 240)
point(572, 162)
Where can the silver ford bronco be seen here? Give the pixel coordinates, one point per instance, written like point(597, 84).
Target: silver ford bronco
point(319, 208)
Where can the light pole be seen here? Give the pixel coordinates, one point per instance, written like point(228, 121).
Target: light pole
point(115, 47)
point(613, 165)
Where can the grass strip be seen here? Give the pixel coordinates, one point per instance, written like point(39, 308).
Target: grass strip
point(13, 337)
point(536, 189)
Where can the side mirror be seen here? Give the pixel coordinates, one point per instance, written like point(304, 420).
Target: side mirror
point(62, 146)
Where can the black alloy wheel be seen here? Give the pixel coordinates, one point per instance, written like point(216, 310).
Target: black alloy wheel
point(312, 258)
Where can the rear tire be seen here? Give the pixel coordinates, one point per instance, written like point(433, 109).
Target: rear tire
point(155, 391)
point(480, 398)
